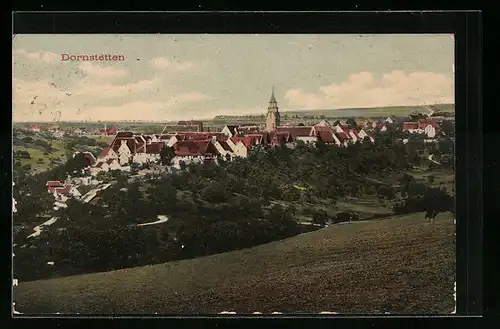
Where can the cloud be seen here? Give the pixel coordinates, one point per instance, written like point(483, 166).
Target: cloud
point(32, 100)
point(44, 57)
point(166, 64)
point(392, 89)
point(146, 110)
point(106, 72)
point(105, 90)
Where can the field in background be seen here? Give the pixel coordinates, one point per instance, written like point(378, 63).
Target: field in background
point(353, 268)
point(217, 123)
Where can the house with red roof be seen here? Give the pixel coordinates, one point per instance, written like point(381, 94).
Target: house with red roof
point(224, 149)
point(240, 149)
point(35, 128)
point(193, 151)
point(304, 133)
point(112, 131)
point(327, 134)
point(193, 136)
point(106, 154)
point(52, 185)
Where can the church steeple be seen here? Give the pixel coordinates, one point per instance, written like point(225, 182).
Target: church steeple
point(273, 115)
point(272, 100)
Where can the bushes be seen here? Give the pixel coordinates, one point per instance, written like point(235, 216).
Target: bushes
point(345, 217)
point(22, 155)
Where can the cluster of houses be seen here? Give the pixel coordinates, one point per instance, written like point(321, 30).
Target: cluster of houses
point(58, 132)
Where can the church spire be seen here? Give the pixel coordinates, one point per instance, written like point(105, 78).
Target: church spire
point(273, 100)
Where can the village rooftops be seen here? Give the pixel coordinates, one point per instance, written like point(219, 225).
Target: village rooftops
point(154, 147)
point(51, 183)
point(296, 131)
point(194, 148)
point(248, 141)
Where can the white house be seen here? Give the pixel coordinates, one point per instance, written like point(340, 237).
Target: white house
point(307, 139)
point(124, 153)
point(176, 161)
point(224, 149)
point(362, 134)
point(172, 140)
point(142, 158)
point(430, 131)
point(239, 149)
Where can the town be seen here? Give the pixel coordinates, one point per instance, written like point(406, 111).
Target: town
point(130, 152)
point(130, 163)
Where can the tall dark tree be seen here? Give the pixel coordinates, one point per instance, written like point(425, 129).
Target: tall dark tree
point(351, 122)
point(166, 155)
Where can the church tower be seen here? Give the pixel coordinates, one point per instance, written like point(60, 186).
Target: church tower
point(273, 116)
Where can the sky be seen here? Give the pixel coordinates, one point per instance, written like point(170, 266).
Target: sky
point(199, 76)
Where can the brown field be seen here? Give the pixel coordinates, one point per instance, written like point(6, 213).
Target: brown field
point(400, 264)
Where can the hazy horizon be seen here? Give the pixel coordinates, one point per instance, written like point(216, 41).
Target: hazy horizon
point(183, 77)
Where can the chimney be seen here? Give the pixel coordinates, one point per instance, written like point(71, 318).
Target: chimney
point(200, 126)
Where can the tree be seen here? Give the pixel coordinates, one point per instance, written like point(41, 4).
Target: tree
point(448, 128)
point(352, 123)
point(76, 163)
point(166, 155)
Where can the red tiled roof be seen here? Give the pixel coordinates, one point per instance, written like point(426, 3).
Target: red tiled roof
point(52, 183)
point(64, 190)
point(325, 136)
point(194, 148)
point(154, 147)
point(342, 137)
point(324, 133)
point(248, 141)
point(355, 133)
point(200, 136)
point(112, 131)
point(104, 152)
point(297, 131)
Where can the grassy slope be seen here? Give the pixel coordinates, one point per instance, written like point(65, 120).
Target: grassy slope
point(401, 264)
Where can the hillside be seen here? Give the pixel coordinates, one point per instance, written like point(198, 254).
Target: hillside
point(401, 264)
point(347, 112)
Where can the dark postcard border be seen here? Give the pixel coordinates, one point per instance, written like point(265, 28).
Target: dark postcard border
point(466, 26)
